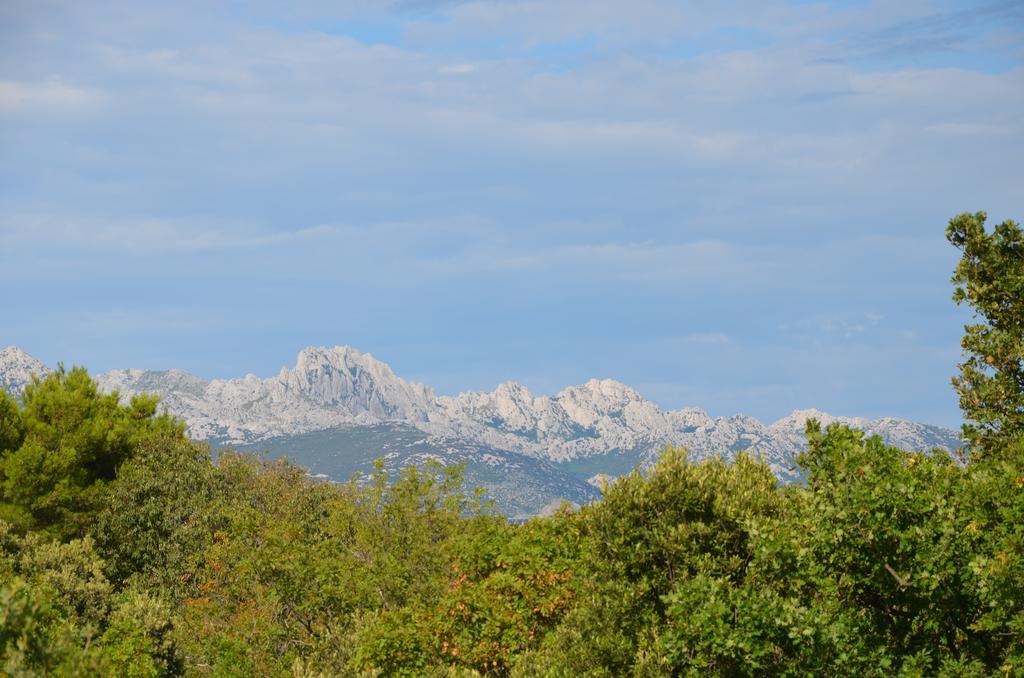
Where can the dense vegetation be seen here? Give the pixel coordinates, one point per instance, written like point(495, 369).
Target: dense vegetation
point(125, 550)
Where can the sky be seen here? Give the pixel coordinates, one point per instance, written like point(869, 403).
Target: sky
point(738, 206)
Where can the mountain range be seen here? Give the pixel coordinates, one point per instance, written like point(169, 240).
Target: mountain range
point(339, 408)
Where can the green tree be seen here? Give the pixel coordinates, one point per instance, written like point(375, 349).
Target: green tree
point(65, 446)
point(158, 515)
point(12, 429)
point(507, 587)
point(73, 571)
point(990, 279)
point(138, 641)
point(60, 616)
point(648, 536)
point(35, 638)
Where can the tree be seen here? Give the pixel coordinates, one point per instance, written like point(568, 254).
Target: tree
point(990, 279)
point(156, 520)
point(59, 614)
point(648, 536)
point(65, 446)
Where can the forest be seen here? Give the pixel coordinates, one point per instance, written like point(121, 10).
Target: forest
point(127, 549)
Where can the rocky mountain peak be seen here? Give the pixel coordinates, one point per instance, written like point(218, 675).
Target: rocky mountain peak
point(132, 381)
point(316, 358)
point(797, 420)
point(689, 418)
point(602, 394)
point(17, 368)
point(357, 382)
point(513, 389)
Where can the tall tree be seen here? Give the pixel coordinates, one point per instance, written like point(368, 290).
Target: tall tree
point(59, 453)
point(990, 279)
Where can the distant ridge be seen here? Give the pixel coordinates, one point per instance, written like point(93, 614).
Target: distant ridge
point(342, 386)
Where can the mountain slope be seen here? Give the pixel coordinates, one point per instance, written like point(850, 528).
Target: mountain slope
point(519, 485)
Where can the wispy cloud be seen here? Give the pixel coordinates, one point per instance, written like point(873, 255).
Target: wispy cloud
point(967, 129)
point(847, 325)
point(50, 96)
point(129, 322)
point(946, 31)
point(637, 262)
point(148, 235)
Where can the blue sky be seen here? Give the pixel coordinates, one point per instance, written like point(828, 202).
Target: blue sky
point(732, 205)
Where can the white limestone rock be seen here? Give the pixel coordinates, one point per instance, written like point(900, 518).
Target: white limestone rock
point(17, 368)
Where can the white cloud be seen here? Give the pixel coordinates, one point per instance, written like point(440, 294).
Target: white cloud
point(846, 325)
point(967, 129)
point(128, 322)
point(48, 96)
point(706, 338)
point(707, 263)
point(781, 105)
point(148, 235)
point(458, 69)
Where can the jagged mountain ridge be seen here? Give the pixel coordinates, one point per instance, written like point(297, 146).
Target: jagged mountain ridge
point(342, 386)
point(326, 388)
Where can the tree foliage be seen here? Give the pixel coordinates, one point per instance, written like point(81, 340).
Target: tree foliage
point(990, 279)
point(59, 452)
